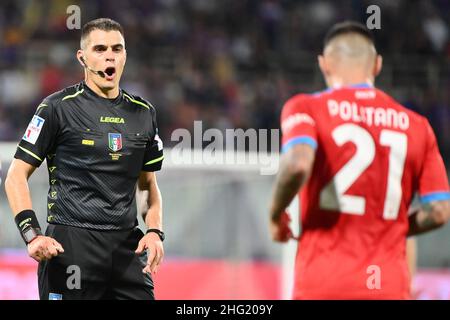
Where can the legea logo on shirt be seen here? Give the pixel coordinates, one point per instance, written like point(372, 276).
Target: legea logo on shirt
point(112, 120)
point(34, 129)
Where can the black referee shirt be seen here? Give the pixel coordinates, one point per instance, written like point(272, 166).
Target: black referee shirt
point(95, 149)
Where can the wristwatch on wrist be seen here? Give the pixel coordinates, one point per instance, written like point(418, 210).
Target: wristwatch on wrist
point(30, 233)
point(158, 232)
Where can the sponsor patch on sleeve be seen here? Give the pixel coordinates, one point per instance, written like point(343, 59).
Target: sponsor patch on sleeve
point(296, 119)
point(34, 129)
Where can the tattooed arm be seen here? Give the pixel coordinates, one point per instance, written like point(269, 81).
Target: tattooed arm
point(295, 167)
point(431, 216)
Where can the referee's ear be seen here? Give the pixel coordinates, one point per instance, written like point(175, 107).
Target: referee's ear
point(80, 58)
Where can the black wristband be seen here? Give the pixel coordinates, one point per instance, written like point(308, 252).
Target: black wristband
point(161, 234)
point(28, 225)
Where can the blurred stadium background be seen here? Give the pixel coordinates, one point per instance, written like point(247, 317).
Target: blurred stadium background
point(231, 64)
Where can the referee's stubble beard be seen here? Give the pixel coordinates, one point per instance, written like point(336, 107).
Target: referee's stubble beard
point(103, 51)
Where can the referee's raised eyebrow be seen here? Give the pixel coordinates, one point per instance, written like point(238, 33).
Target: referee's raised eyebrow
point(104, 46)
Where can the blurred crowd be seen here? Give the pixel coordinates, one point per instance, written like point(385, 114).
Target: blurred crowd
point(230, 63)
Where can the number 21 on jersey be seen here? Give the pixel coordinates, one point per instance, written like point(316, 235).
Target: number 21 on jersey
point(333, 197)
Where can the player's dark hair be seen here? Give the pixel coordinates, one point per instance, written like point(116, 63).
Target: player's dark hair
point(348, 27)
point(105, 24)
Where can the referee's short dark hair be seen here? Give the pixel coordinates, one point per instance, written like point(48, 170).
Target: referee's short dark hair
point(105, 24)
point(348, 27)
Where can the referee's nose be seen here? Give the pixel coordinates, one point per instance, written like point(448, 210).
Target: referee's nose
point(109, 56)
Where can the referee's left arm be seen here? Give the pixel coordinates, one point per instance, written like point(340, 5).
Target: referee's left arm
point(153, 219)
point(148, 188)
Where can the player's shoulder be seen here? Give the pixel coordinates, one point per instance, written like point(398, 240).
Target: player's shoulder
point(415, 119)
point(56, 98)
point(302, 102)
point(138, 101)
point(304, 98)
point(300, 98)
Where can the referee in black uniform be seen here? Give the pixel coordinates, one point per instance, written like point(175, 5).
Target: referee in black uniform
point(99, 142)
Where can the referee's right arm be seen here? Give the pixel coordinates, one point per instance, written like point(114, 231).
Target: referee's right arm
point(16, 186)
point(30, 153)
point(18, 193)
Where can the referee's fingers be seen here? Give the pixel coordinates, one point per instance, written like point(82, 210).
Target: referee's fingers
point(52, 250)
point(158, 258)
point(146, 269)
point(154, 263)
point(158, 262)
point(151, 256)
point(58, 246)
point(141, 247)
point(46, 253)
point(36, 257)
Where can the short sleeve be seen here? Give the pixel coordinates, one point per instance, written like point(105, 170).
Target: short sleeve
point(154, 150)
point(39, 137)
point(433, 181)
point(297, 124)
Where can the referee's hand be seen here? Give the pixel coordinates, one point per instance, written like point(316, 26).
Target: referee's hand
point(44, 248)
point(154, 246)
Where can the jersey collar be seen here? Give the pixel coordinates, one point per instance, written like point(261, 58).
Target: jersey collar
point(91, 93)
point(363, 85)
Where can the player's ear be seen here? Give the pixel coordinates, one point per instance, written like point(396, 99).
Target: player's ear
point(80, 57)
point(378, 65)
point(322, 65)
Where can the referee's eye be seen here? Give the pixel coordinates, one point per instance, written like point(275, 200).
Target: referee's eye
point(99, 48)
